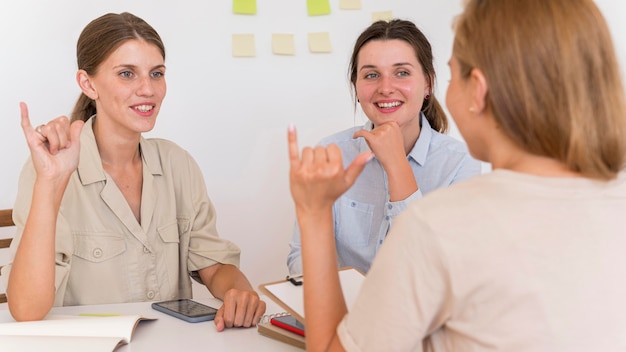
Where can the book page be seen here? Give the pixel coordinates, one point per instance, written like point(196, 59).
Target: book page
point(58, 344)
point(120, 327)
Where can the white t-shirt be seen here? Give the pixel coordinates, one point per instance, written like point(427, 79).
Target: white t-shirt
point(501, 262)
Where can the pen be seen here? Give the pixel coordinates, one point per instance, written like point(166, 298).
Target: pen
point(297, 280)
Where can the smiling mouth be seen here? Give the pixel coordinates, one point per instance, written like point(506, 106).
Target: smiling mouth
point(389, 105)
point(144, 108)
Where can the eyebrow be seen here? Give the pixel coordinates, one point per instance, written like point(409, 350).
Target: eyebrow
point(162, 66)
point(399, 64)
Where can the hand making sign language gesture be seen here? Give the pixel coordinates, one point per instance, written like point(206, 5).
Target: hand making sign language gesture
point(54, 147)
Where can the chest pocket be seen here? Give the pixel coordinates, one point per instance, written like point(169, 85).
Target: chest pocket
point(98, 247)
point(169, 233)
point(354, 221)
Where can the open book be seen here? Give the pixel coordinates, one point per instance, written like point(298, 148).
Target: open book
point(69, 333)
point(289, 297)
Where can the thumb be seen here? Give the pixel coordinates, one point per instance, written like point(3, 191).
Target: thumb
point(75, 128)
point(356, 167)
point(219, 319)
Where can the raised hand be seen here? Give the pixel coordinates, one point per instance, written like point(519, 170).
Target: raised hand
point(54, 147)
point(317, 178)
point(387, 143)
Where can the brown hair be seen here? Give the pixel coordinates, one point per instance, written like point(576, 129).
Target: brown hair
point(554, 83)
point(99, 39)
point(409, 33)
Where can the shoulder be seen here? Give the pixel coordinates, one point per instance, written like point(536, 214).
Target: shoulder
point(448, 143)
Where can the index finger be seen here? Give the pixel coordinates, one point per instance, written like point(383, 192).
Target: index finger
point(292, 140)
point(24, 114)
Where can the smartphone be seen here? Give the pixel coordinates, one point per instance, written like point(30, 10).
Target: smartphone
point(186, 309)
point(288, 322)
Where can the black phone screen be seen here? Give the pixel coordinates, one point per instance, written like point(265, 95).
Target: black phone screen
point(186, 309)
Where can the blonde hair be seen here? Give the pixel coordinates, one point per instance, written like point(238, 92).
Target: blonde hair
point(554, 82)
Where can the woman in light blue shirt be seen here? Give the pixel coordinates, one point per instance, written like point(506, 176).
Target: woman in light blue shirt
point(393, 77)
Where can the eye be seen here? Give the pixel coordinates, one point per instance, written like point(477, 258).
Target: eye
point(371, 75)
point(403, 73)
point(126, 74)
point(157, 74)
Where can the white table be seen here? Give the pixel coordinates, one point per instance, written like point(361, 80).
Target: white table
point(171, 334)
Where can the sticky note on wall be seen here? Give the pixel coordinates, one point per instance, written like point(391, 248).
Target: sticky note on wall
point(318, 7)
point(243, 45)
point(283, 44)
point(320, 42)
point(382, 16)
point(244, 7)
point(350, 4)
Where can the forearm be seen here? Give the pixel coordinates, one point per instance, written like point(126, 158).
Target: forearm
point(401, 181)
point(31, 287)
point(324, 304)
point(220, 278)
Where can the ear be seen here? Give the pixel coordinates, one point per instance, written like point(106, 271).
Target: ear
point(86, 85)
point(479, 88)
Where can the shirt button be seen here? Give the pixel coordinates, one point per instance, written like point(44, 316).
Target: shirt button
point(97, 253)
point(387, 218)
point(146, 250)
point(150, 294)
point(353, 204)
point(390, 206)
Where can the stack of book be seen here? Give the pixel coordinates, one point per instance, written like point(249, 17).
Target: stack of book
point(283, 327)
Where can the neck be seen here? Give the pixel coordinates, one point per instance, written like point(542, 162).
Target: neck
point(510, 157)
point(410, 133)
point(115, 149)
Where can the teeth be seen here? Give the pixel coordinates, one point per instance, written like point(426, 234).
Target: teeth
point(389, 105)
point(144, 108)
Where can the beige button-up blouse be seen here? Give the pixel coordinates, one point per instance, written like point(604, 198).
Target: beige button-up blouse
point(103, 255)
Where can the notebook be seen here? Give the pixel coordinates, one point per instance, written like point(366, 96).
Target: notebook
point(289, 295)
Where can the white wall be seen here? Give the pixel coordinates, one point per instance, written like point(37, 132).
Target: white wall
point(230, 113)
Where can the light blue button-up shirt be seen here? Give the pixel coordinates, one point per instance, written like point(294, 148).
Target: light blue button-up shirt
point(364, 214)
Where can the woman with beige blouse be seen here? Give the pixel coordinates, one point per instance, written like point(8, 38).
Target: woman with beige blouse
point(104, 215)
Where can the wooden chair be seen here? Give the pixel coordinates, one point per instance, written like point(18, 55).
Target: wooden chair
point(6, 220)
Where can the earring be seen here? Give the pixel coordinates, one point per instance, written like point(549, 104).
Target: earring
point(427, 96)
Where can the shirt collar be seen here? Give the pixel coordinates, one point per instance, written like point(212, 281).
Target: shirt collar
point(420, 149)
point(90, 168)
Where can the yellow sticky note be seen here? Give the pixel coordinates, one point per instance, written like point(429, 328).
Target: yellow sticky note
point(320, 42)
point(318, 7)
point(243, 45)
point(350, 4)
point(244, 7)
point(382, 16)
point(283, 44)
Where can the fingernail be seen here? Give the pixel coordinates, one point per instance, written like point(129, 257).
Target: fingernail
point(291, 127)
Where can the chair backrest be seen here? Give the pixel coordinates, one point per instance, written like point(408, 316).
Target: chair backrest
point(6, 220)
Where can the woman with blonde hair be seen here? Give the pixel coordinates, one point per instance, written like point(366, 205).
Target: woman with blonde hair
point(528, 257)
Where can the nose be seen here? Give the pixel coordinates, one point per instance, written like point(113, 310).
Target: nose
point(385, 86)
point(145, 87)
